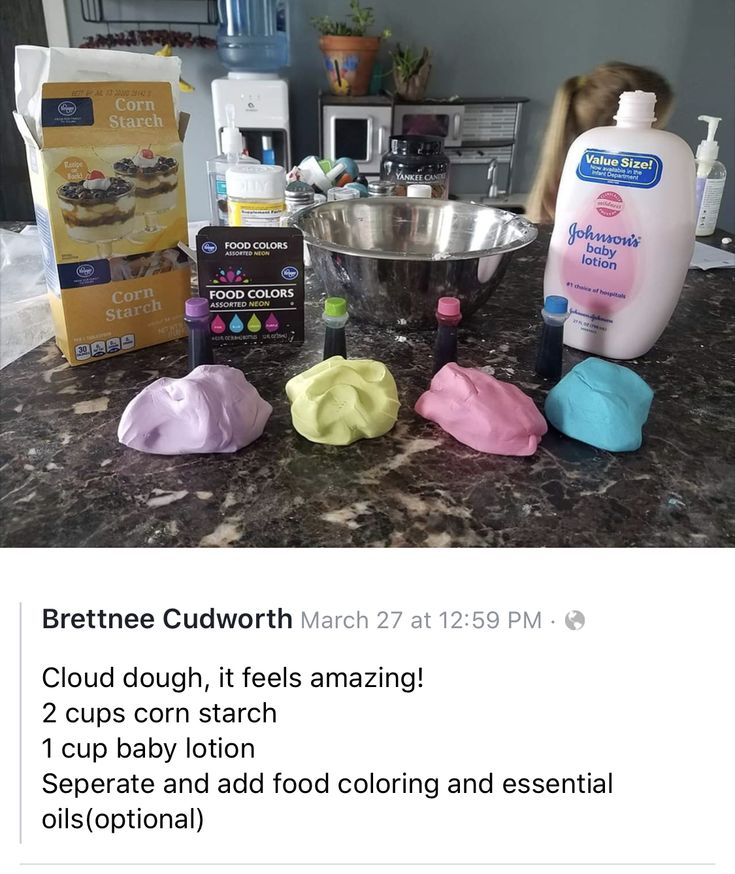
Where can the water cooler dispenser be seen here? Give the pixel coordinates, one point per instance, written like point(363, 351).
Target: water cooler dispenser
point(252, 43)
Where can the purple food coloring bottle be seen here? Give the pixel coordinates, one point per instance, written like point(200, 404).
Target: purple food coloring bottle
point(196, 317)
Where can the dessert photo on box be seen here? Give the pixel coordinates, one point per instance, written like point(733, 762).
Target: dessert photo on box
point(120, 200)
point(155, 178)
point(98, 209)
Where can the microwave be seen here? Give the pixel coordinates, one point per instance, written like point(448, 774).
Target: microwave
point(467, 124)
point(432, 119)
point(476, 130)
point(355, 127)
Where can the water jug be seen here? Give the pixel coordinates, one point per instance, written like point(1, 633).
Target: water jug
point(253, 35)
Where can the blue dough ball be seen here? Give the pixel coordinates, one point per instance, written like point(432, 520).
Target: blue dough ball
point(602, 404)
point(351, 167)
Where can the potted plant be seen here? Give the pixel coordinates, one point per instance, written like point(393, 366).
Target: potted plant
point(349, 55)
point(411, 72)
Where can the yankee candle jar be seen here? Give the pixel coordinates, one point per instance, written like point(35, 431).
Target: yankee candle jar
point(416, 159)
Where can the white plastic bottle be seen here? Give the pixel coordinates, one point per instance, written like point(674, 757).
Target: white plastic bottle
point(624, 232)
point(711, 176)
point(231, 143)
point(255, 195)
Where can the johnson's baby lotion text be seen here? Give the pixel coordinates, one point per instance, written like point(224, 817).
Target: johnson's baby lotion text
point(624, 232)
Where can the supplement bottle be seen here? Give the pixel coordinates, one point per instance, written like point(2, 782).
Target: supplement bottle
point(255, 195)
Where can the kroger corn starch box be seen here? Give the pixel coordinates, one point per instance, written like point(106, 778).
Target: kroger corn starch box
point(108, 188)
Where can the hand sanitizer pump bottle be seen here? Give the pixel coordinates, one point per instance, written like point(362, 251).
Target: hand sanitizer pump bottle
point(711, 176)
point(232, 145)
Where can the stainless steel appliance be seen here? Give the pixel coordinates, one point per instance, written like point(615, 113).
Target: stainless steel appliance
point(479, 131)
point(435, 118)
point(355, 127)
point(476, 130)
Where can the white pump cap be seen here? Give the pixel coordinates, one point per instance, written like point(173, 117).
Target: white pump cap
point(636, 108)
point(708, 149)
point(231, 138)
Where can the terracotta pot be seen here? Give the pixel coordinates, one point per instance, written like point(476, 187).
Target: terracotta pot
point(413, 88)
point(349, 62)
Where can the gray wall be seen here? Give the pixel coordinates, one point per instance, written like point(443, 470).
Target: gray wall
point(497, 47)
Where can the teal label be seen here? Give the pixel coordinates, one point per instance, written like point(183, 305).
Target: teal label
point(220, 190)
point(626, 169)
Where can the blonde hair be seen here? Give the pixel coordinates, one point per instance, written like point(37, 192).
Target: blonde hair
point(581, 103)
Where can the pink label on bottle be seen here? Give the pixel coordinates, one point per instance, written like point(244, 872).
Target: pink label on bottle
point(599, 266)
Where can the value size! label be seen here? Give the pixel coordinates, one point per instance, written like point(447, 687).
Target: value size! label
point(627, 169)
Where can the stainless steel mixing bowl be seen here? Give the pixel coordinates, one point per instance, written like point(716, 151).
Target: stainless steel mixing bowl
point(393, 257)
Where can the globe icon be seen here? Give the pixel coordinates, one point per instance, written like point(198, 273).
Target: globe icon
point(574, 620)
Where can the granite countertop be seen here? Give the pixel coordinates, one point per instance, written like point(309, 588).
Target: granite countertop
point(66, 481)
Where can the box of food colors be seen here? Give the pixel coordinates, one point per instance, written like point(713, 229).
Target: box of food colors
point(106, 166)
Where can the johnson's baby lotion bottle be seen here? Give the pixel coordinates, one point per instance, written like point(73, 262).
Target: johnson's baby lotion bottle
point(624, 232)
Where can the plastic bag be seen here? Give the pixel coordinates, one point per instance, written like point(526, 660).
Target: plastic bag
point(25, 317)
point(35, 65)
